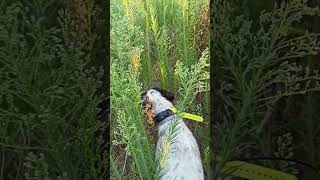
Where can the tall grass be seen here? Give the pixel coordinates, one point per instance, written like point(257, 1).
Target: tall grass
point(129, 129)
point(148, 41)
point(49, 90)
point(171, 21)
point(257, 67)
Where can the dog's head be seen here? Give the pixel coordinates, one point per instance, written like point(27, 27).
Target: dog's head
point(155, 95)
point(157, 99)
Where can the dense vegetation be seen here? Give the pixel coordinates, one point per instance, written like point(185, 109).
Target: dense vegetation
point(50, 86)
point(266, 83)
point(156, 43)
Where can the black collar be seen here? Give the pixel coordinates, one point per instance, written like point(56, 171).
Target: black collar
point(163, 115)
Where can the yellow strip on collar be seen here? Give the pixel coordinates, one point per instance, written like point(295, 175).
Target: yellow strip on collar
point(187, 115)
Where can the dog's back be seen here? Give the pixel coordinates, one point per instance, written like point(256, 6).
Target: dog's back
point(184, 161)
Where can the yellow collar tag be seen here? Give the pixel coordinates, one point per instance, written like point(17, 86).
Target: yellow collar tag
point(187, 115)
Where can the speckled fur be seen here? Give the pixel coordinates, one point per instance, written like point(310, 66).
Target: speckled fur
point(184, 161)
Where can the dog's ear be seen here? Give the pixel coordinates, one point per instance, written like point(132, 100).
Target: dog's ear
point(168, 95)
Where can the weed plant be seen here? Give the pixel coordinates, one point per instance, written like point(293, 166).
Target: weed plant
point(49, 90)
point(257, 65)
point(155, 43)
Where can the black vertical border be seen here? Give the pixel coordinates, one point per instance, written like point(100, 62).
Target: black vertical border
point(212, 89)
point(103, 57)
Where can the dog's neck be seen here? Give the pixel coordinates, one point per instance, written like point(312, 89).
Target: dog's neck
point(165, 125)
point(161, 105)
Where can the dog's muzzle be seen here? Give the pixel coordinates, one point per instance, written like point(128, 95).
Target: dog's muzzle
point(147, 108)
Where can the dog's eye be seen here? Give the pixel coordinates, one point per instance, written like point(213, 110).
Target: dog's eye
point(143, 94)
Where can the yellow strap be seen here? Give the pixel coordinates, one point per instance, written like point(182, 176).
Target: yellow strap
point(254, 172)
point(188, 115)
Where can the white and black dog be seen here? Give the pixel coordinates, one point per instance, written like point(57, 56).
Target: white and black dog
point(184, 161)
